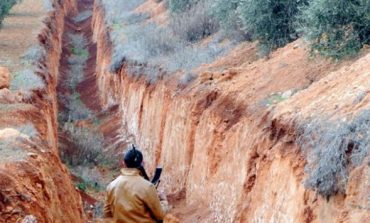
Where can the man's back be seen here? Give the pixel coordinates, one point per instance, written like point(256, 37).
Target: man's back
point(132, 199)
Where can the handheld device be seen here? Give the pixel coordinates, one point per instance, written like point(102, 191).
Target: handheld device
point(157, 176)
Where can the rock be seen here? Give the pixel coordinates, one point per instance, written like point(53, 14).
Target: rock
point(4, 77)
point(9, 209)
point(29, 219)
point(9, 97)
point(171, 219)
point(287, 94)
point(33, 155)
point(6, 96)
point(16, 211)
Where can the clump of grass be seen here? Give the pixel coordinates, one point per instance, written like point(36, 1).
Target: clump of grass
point(27, 129)
point(155, 51)
point(80, 52)
point(186, 79)
point(12, 146)
point(152, 52)
point(194, 24)
point(82, 16)
point(76, 76)
point(34, 53)
point(90, 178)
point(77, 41)
point(333, 147)
point(85, 155)
point(75, 109)
point(48, 5)
point(26, 80)
point(88, 146)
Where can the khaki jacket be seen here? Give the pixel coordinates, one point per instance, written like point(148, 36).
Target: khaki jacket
point(131, 198)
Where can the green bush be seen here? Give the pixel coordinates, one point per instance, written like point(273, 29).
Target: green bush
point(5, 6)
point(336, 28)
point(176, 6)
point(270, 22)
point(225, 11)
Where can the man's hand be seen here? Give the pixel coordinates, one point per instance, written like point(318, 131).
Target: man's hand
point(163, 199)
point(162, 195)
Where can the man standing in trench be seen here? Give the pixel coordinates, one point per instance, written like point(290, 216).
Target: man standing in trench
point(131, 198)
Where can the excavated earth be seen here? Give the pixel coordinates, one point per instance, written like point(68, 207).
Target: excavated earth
point(227, 140)
point(34, 184)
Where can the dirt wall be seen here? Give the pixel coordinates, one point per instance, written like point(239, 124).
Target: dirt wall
point(34, 185)
point(227, 141)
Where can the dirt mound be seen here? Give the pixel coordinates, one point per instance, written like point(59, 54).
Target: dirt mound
point(4, 78)
point(34, 185)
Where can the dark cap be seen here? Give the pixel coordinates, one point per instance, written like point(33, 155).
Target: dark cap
point(133, 158)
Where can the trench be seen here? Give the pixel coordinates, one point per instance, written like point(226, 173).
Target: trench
point(81, 142)
point(90, 138)
point(253, 169)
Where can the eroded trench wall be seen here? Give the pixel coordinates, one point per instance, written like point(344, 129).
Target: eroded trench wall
point(229, 157)
point(36, 185)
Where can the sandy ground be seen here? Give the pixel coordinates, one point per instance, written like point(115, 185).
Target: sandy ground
point(23, 25)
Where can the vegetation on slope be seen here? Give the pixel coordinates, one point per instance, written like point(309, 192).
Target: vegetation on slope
point(270, 22)
point(176, 6)
point(333, 149)
point(336, 28)
point(5, 6)
point(155, 50)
